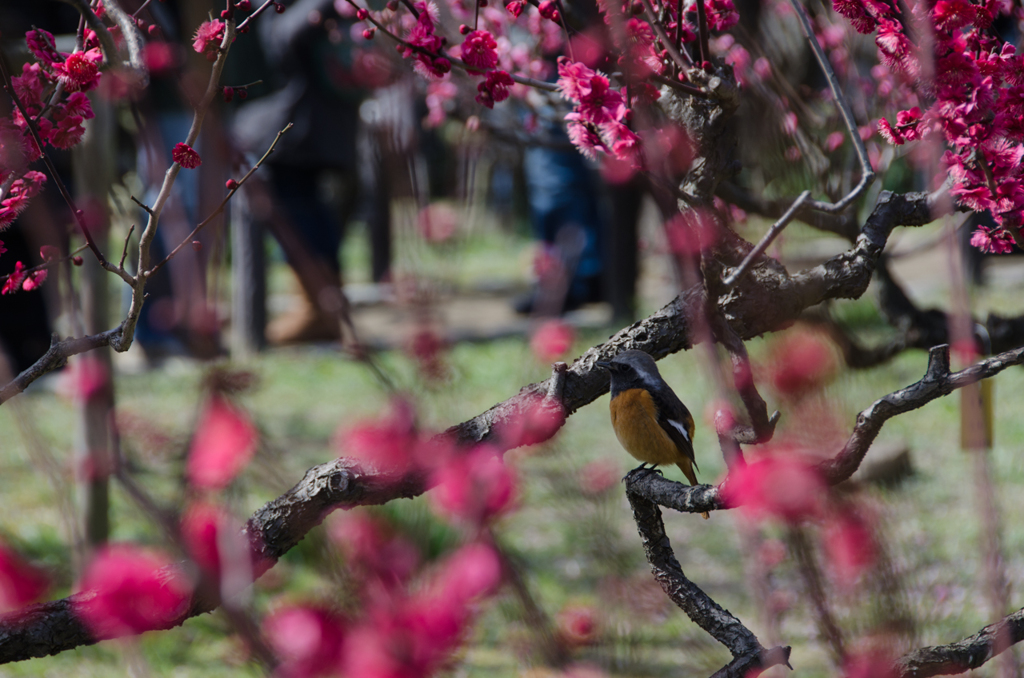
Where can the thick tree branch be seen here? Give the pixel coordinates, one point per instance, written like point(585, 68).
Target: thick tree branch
point(964, 655)
point(749, 656)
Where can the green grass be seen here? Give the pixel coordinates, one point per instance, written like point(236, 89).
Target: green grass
point(577, 549)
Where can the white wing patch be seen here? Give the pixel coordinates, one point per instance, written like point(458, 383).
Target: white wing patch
point(682, 429)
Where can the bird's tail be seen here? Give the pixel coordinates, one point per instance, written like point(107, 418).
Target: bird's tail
point(687, 468)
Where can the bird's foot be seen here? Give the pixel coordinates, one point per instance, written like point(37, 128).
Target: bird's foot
point(646, 469)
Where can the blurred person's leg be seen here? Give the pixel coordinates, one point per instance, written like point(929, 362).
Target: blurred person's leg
point(563, 197)
point(310, 236)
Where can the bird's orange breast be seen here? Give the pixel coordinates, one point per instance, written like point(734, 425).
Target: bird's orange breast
point(635, 420)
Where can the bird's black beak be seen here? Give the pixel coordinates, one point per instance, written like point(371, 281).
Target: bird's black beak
point(607, 366)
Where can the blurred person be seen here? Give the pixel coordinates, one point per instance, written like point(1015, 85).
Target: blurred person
point(323, 78)
point(563, 193)
point(177, 318)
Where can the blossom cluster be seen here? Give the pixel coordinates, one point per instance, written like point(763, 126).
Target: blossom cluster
point(975, 83)
point(598, 120)
point(52, 93)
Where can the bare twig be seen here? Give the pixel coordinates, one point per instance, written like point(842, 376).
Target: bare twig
point(124, 252)
point(682, 62)
point(146, 208)
point(867, 174)
point(811, 573)
point(220, 207)
point(702, 31)
point(767, 240)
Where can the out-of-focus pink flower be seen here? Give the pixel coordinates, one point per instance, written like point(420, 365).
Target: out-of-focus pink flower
point(801, 361)
point(390, 443)
point(372, 549)
point(552, 340)
point(208, 37)
point(474, 487)
point(599, 476)
point(34, 280)
point(14, 279)
point(692, 232)
point(202, 529)
point(471, 573)
point(80, 72)
point(20, 583)
point(834, 141)
point(771, 553)
point(160, 57)
point(577, 625)
point(427, 346)
point(84, 379)
point(308, 640)
point(186, 156)
point(128, 590)
point(224, 443)
point(850, 546)
point(537, 420)
point(782, 486)
point(49, 252)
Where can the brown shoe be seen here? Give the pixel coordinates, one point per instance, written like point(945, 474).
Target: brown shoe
point(302, 324)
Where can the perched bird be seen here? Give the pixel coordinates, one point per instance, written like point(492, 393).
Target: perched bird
point(649, 419)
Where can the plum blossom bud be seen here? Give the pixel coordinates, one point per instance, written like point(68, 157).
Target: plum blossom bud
point(393, 5)
point(231, 184)
point(244, 5)
point(279, 8)
point(229, 93)
point(196, 245)
point(77, 260)
point(369, 33)
point(464, 29)
point(362, 14)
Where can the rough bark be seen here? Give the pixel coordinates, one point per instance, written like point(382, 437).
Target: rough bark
point(749, 657)
point(964, 655)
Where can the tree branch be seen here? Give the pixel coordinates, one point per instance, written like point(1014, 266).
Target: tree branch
point(936, 383)
point(749, 656)
point(53, 627)
point(963, 655)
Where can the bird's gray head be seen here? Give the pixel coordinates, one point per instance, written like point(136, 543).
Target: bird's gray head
point(631, 368)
